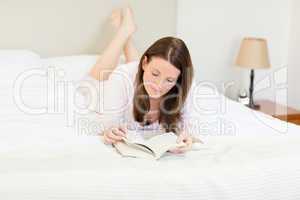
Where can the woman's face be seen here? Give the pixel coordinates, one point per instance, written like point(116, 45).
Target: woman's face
point(159, 76)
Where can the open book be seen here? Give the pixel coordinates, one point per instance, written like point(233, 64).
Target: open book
point(135, 145)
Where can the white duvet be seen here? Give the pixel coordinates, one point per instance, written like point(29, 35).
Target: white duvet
point(42, 161)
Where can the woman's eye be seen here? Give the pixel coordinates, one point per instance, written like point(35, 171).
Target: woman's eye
point(170, 81)
point(155, 74)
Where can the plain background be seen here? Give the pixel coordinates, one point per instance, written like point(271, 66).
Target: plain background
point(68, 27)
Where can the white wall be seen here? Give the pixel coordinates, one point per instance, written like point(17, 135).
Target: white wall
point(213, 31)
point(294, 60)
point(67, 27)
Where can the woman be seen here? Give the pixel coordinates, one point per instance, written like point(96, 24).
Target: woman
point(162, 79)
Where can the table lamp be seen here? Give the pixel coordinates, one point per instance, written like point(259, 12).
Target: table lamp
point(253, 54)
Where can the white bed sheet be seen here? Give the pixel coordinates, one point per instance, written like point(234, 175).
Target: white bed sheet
point(43, 161)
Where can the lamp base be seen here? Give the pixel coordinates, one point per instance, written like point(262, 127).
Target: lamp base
point(251, 104)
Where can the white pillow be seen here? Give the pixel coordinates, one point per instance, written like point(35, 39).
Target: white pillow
point(12, 64)
point(70, 67)
point(73, 68)
point(18, 57)
point(35, 89)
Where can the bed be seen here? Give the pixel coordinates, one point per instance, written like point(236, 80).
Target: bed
point(43, 157)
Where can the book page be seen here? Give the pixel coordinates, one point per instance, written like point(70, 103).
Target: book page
point(160, 144)
point(131, 151)
point(156, 146)
point(136, 141)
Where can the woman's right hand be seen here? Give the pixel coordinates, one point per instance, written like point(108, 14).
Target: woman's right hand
point(114, 135)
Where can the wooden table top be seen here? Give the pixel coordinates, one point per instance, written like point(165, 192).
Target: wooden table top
point(276, 109)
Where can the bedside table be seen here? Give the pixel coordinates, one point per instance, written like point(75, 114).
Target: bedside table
point(279, 111)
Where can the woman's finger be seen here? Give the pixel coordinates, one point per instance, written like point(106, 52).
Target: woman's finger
point(180, 150)
point(107, 140)
point(185, 148)
point(119, 133)
point(180, 138)
point(189, 141)
point(183, 138)
point(123, 130)
point(115, 135)
point(176, 151)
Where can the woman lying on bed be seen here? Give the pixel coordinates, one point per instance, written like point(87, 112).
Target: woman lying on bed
point(164, 75)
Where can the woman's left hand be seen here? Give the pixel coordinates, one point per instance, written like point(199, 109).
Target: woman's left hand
point(183, 138)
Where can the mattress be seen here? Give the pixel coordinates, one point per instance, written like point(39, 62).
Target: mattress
point(42, 161)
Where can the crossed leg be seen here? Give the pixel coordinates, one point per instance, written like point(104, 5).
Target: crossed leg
point(124, 24)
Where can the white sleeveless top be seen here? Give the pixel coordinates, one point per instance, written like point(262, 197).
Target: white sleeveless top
point(110, 102)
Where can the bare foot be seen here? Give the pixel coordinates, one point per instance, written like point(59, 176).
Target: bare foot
point(116, 18)
point(127, 25)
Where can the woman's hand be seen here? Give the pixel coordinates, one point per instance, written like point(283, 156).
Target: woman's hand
point(114, 135)
point(183, 138)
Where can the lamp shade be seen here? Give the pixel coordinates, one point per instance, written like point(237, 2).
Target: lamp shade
point(253, 54)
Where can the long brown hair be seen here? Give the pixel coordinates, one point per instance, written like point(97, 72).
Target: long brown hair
point(175, 52)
